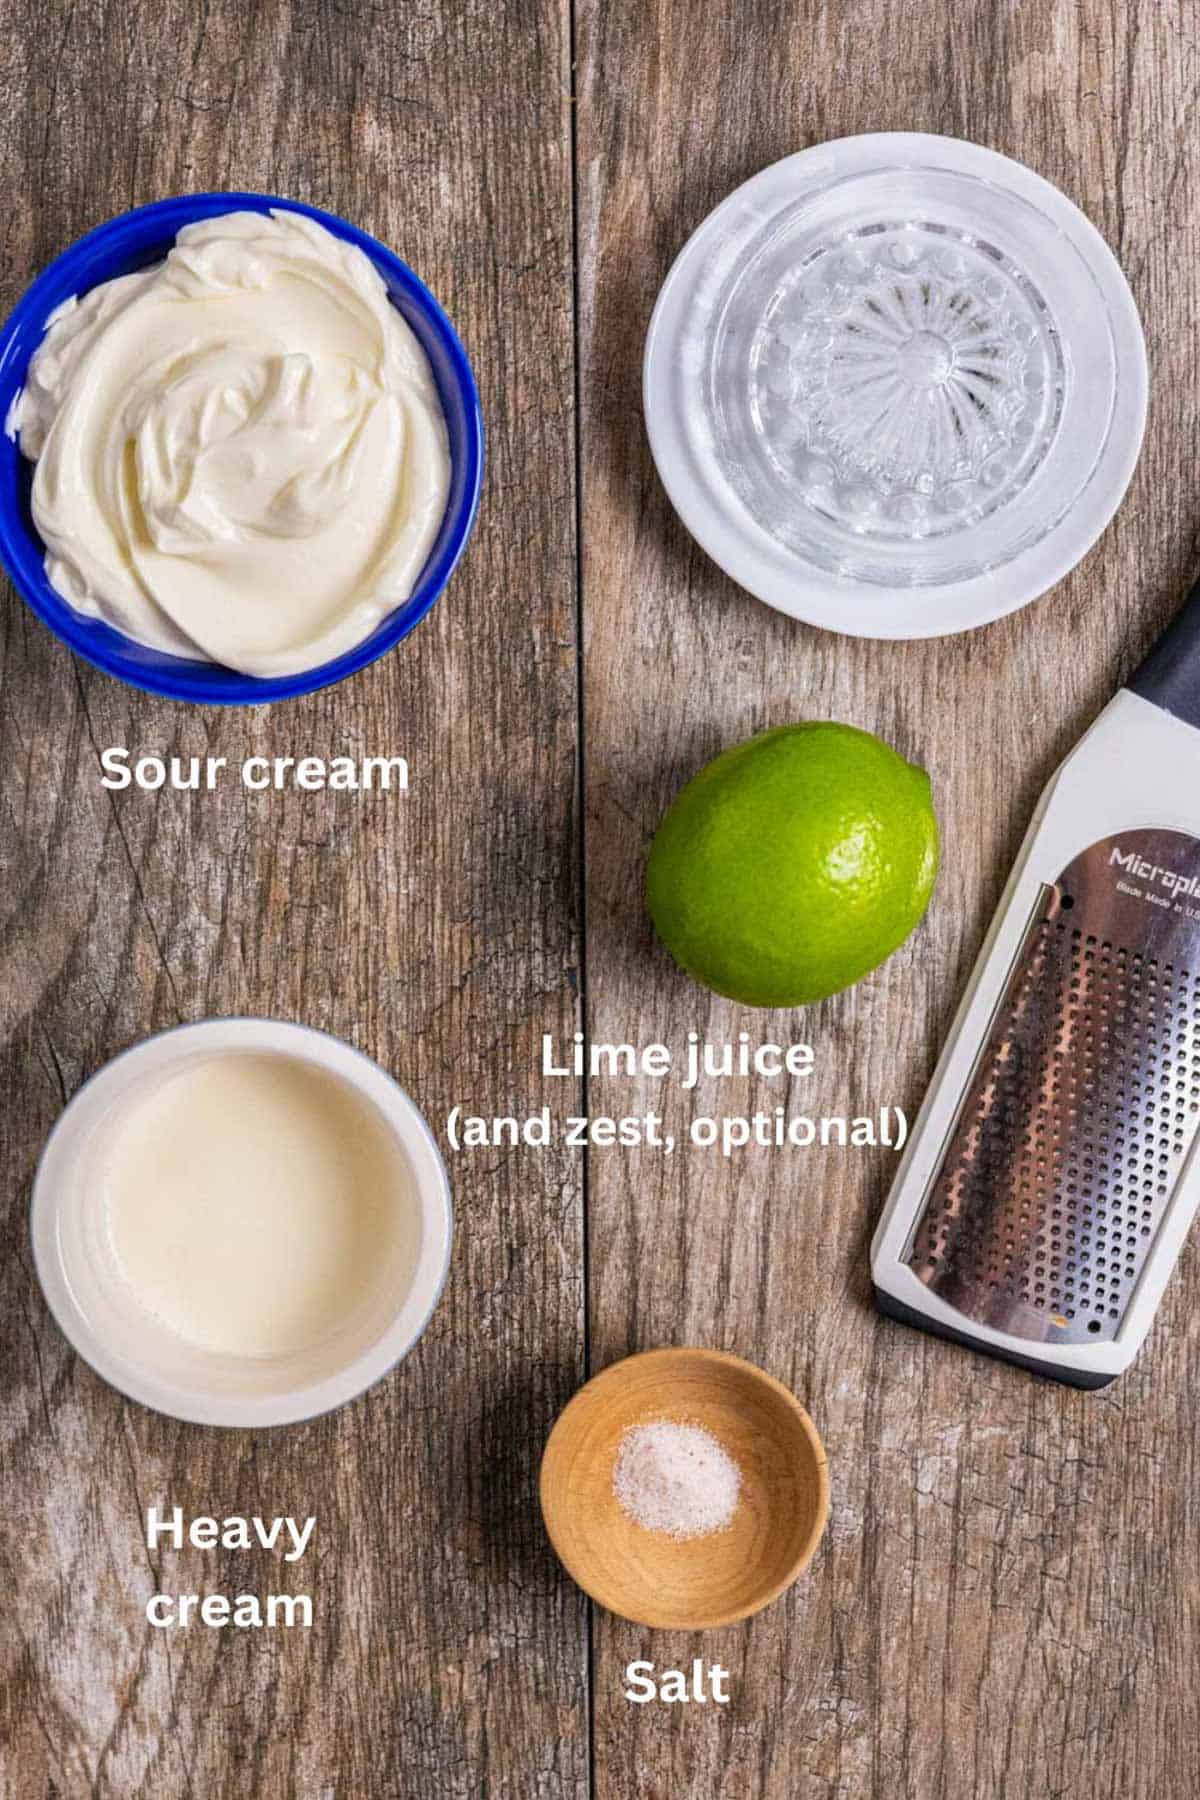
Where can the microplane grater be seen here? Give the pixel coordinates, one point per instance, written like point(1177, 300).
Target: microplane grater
point(1053, 1171)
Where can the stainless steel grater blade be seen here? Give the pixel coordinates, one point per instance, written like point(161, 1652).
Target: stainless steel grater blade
point(1083, 1104)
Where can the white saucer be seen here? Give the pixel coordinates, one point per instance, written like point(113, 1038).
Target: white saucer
point(896, 385)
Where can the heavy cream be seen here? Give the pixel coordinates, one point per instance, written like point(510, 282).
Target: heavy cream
point(254, 1204)
point(241, 454)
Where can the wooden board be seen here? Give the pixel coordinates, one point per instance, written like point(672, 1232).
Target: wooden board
point(437, 932)
point(1006, 1602)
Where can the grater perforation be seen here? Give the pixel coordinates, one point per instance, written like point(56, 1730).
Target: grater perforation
point(1083, 1104)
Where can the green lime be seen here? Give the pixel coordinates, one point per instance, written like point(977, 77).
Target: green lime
point(793, 864)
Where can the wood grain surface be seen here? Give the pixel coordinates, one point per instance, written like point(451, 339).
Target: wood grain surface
point(1007, 1601)
point(438, 932)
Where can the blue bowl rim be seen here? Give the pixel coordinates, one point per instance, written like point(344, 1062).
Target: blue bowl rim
point(23, 556)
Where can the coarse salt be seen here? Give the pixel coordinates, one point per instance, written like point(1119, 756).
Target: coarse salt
point(675, 1478)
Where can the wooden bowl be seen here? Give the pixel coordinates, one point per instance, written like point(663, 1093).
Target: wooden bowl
point(647, 1576)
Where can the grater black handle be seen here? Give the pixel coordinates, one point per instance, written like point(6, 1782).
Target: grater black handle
point(1170, 675)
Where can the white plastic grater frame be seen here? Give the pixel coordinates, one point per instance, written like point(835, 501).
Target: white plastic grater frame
point(1113, 781)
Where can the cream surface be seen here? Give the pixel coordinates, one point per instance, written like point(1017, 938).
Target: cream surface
point(255, 1203)
point(241, 454)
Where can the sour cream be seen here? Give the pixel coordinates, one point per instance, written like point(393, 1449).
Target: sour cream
point(241, 455)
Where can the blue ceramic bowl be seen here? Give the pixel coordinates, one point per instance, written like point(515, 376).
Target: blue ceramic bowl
point(134, 241)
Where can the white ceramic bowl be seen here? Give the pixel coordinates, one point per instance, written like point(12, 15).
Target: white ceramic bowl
point(90, 1299)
